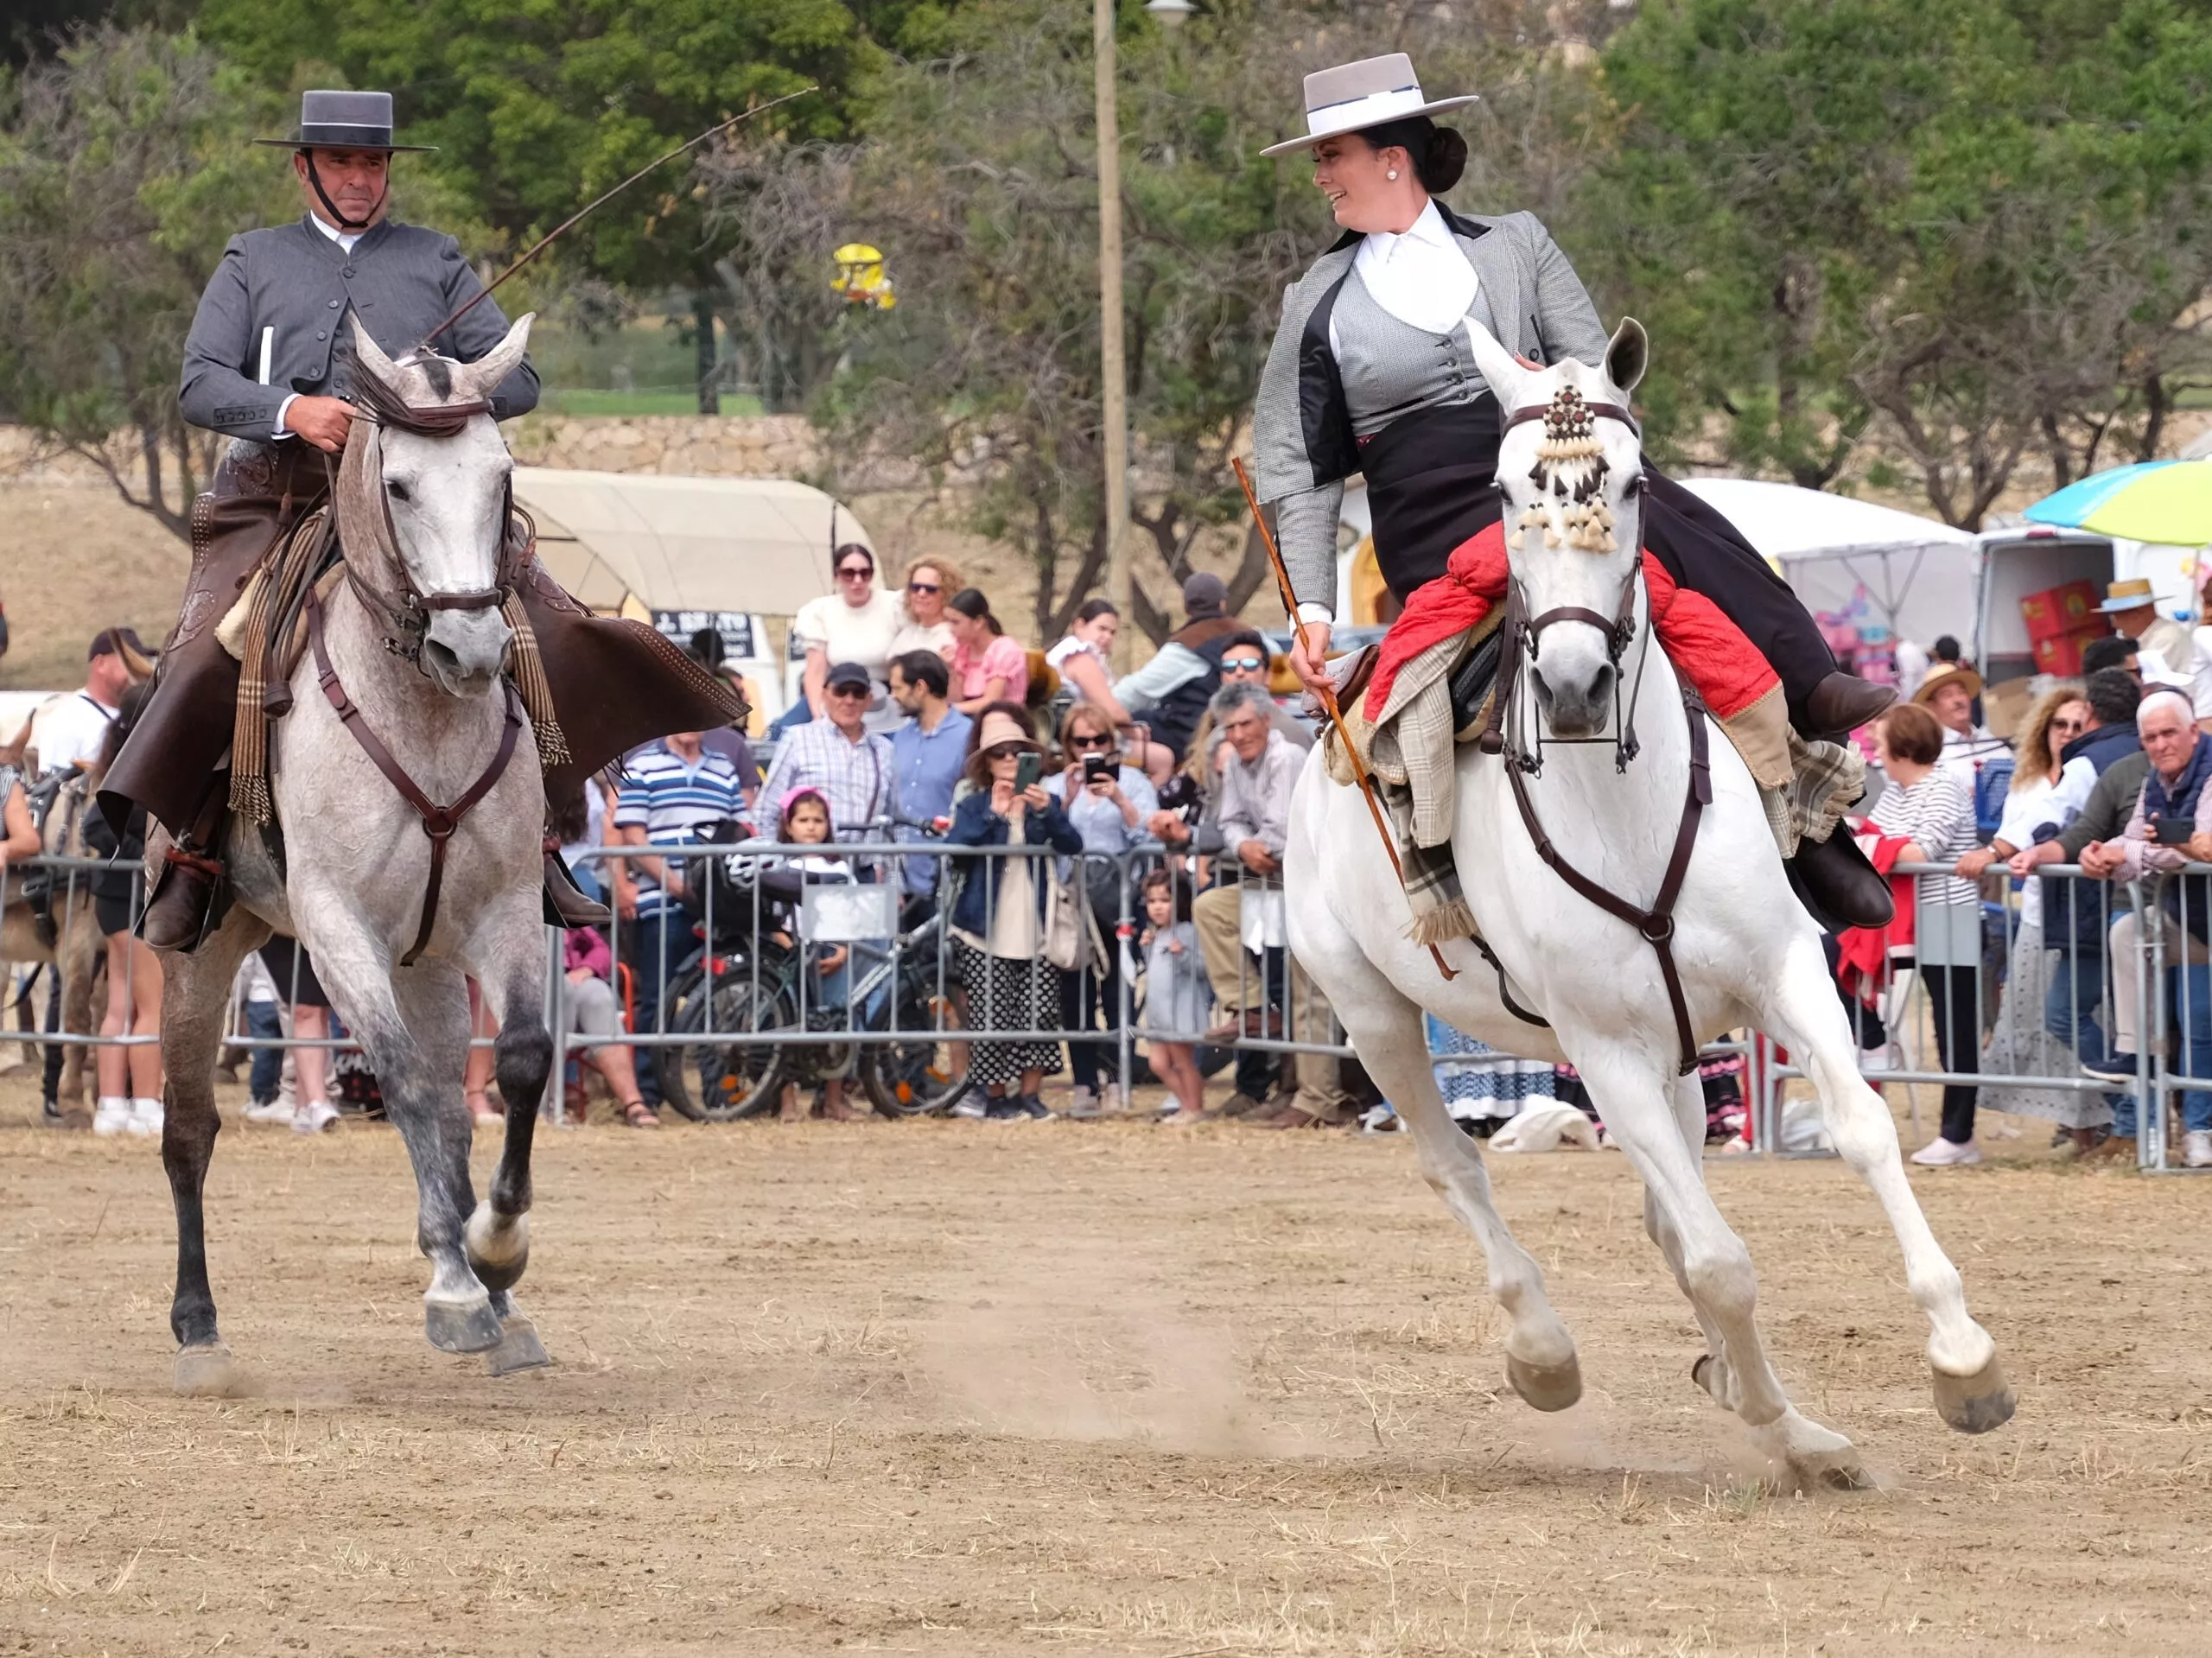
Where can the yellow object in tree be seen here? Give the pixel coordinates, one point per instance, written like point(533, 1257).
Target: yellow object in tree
point(860, 277)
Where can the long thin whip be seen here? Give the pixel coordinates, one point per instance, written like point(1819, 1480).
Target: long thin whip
point(569, 223)
point(1327, 694)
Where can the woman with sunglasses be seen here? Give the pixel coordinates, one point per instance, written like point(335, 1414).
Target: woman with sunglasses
point(923, 625)
point(998, 922)
point(1110, 802)
point(2047, 790)
point(857, 623)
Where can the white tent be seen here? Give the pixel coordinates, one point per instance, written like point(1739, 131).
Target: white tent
point(756, 544)
point(1917, 577)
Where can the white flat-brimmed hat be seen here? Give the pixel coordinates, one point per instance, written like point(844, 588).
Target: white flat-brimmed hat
point(1363, 95)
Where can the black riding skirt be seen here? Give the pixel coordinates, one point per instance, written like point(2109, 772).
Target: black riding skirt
point(1431, 484)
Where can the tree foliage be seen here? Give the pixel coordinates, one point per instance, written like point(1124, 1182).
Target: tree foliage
point(123, 169)
point(1970, 231)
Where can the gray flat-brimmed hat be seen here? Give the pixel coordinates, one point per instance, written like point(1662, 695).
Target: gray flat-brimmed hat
point(1363, 95)
point(331, 120)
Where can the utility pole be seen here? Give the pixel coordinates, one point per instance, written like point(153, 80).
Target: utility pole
point(1113, 371)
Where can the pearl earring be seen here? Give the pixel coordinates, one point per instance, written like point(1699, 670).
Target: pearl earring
point(1394, 172)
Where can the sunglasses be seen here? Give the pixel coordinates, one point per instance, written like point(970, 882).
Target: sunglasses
point(2068, 725)
point(849, 690)
point(855, 572)
point(1091, 742)
point(1243, 664)
point(924, 587)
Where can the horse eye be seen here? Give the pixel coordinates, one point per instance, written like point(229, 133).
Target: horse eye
point(397, 491)
point(1635, 486)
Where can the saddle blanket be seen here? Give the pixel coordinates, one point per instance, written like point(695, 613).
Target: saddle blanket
point(1407, 730)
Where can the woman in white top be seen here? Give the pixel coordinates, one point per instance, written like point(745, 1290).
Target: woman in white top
point(922, 625)
point(1931, 810)
point(2047, 791)
point(1081, 660)
point(857, 623)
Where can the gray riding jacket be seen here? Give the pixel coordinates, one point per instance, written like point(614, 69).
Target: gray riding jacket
point(402, 281)
point(1342, 368)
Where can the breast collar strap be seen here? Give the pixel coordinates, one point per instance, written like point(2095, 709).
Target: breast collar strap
point(439, 823)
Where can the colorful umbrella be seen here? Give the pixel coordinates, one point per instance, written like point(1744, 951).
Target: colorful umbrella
point(2168, 501)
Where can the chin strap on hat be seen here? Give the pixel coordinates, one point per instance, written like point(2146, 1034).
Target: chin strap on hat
point(336, 217)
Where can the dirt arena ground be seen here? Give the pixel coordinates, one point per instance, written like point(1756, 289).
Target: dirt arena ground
point(960, 1388)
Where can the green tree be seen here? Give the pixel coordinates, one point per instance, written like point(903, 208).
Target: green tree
point(537, 108)
point(1963, 233)
point(123, 169)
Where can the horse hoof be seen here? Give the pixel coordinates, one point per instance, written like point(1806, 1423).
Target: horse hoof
point(519, 1349)
point(461, 1326)
point(1977, 1403)
point(206, 1371)
point(1830, 1471)
point(499, 1253)
point(1546, 1386)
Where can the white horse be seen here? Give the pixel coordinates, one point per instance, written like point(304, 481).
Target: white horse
point(350, 876)
point(1746, 952)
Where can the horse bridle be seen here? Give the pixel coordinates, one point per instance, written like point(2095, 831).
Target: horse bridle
point(409, 613)
point(1653, 923)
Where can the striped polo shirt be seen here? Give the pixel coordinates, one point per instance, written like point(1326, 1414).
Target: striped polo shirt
point(668, 798)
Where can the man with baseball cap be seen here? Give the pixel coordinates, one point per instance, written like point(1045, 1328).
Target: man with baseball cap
point(1171, 692)
point(853, 768)
point(72, 730)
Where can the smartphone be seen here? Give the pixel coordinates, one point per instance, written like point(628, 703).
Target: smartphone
point(1096, 767)
point(1026, 770)
point(2172, 831)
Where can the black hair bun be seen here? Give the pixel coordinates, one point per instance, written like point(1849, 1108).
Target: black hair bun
point(1439, 169)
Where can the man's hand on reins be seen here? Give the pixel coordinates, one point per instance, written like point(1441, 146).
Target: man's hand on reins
point(323, 421)
point(1309, 655)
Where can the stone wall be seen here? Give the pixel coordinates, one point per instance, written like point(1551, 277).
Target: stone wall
point(698, 445)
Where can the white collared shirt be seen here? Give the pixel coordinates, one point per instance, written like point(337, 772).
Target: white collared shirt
point(1421, 277)
point(344, 240)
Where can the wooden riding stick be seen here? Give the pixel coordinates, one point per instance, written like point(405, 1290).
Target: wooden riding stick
point(1327, 697)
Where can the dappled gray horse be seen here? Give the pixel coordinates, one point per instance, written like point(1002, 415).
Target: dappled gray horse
point(401, 688)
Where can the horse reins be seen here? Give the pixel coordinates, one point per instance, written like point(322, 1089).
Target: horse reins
point(1654, 924)
point(439, 823)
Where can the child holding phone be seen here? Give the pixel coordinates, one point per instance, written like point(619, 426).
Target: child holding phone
point(1177, 996)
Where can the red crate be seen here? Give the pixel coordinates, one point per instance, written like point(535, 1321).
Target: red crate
point(2062, 655)
point(2069, 609)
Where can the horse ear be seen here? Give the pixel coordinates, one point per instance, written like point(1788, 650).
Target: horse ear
point(371, 357)
point(482, 377)
point(1498, 366)
point(1628, 354)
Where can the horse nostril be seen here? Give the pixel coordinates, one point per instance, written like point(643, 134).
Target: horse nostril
point(1601, 685)
point(441, 656)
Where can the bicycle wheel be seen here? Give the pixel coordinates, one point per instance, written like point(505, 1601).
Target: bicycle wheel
point(736, 1071)
point(925, 1069)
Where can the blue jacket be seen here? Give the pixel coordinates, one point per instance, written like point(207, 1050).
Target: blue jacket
point(974, 824)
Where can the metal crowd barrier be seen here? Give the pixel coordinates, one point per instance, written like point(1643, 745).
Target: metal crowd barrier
point(726, 989)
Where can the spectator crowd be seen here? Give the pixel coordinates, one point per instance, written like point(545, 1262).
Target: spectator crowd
point(1143, 818)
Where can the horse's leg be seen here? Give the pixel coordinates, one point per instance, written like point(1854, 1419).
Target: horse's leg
point(497, 1235)
point(77, 961)
point(1971, 1391)
point(1392, 1046)
point(1646, 1116)
point(195, 991)
point(413, 1024)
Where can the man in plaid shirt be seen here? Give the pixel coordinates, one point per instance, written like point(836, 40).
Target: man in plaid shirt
point(854, 770)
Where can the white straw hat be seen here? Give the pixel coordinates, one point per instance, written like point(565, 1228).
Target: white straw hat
point(1363, 95)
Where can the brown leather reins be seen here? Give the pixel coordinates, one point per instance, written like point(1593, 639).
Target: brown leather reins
point(439, 823)
point(1653, 923)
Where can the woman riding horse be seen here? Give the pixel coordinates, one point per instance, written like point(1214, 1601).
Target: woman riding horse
point(1372, 371)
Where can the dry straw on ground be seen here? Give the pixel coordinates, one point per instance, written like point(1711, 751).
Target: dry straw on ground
point(1071, 1387)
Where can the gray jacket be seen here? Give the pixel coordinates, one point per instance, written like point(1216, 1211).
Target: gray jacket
point(1305, 430)
point(402, 282)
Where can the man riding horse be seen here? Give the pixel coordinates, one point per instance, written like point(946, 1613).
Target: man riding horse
point(269, 362)
point(1372, 371)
